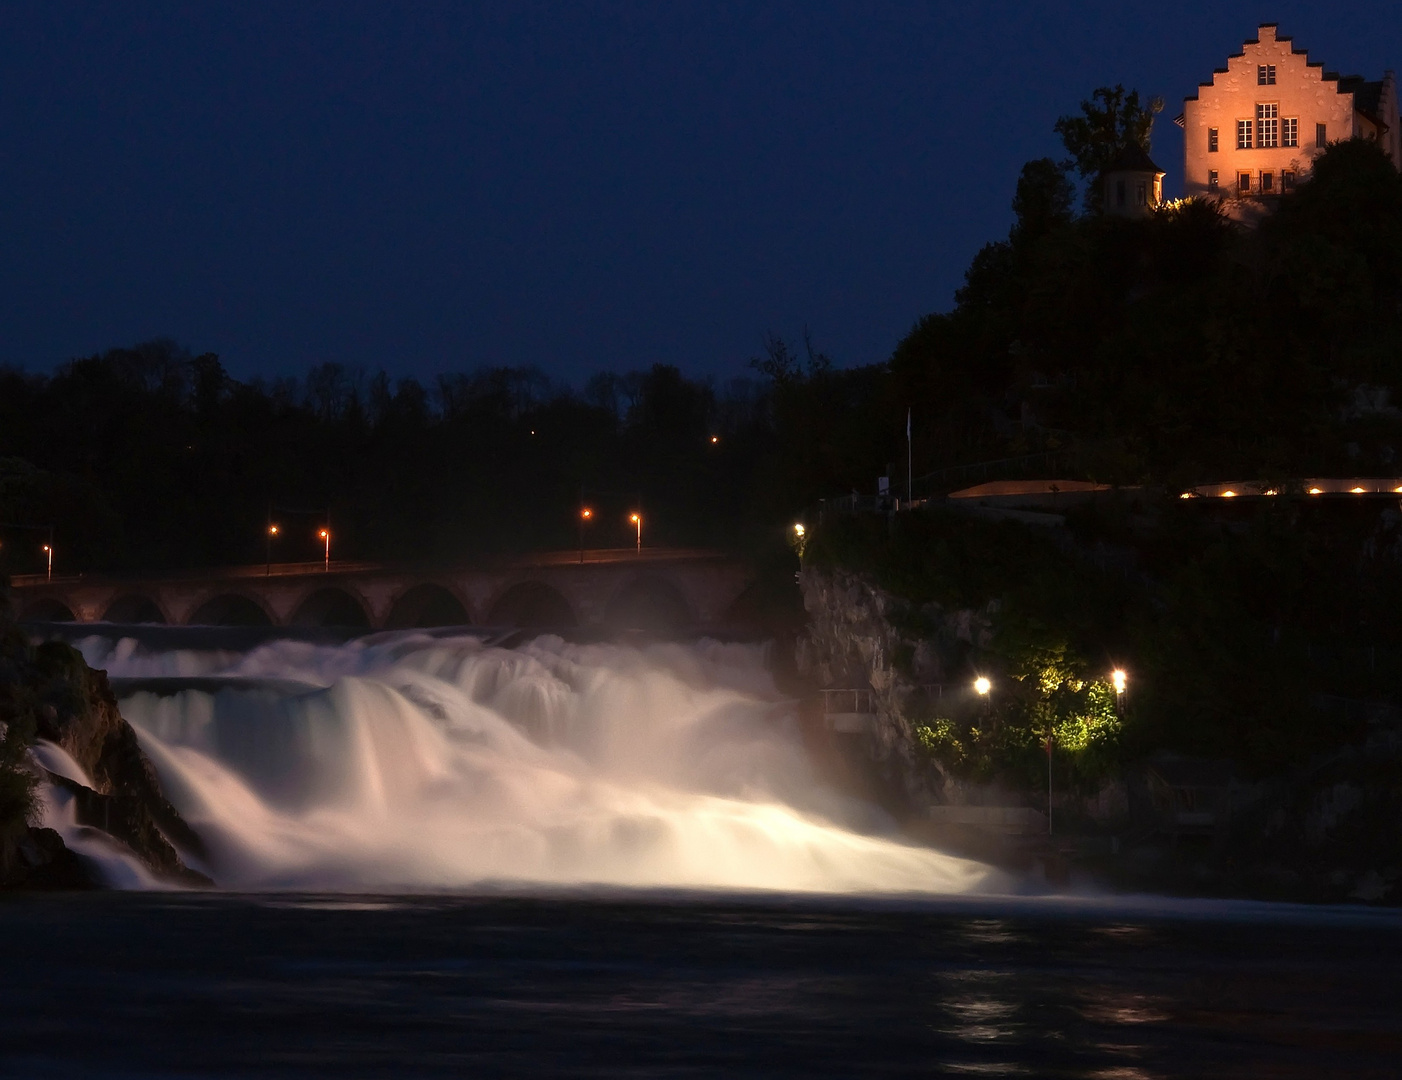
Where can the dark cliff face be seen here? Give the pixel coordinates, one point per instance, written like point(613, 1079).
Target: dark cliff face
point(49, 692)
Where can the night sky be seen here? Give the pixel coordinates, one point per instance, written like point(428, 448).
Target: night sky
point(427, 187)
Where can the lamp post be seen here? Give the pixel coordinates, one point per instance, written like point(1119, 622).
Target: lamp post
point(49, 551)
point(1119, 680)
point(268, 541)
point(325, 534)
point(637, 519)
point(585, 515)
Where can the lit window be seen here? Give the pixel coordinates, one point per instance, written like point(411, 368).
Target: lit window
point(1290, 131)
point(1267, 125)
point(1243, 134)
point(1212, 140)
point(1321, 136)
point(1243, 182)
point(1287, 181)
point(1211, 179)
point(1265, 75)
point(1267, 183)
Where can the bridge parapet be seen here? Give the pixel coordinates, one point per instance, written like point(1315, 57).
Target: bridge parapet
point(654, 589)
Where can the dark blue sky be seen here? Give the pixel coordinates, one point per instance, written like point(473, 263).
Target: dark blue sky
point(433, 187)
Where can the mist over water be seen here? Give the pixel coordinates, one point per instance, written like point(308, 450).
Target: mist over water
point(410, 761)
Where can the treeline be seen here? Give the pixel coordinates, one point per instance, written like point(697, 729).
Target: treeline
point(1173, 349)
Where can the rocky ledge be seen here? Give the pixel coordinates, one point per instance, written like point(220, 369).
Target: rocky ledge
point(48, 692)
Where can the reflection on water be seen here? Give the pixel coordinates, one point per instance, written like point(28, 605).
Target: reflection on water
point(603, 986)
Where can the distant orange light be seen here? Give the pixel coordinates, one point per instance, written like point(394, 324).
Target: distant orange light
point(1186, 495)
point(323, 535)
point(634, 519)
point(715, 439)
point(1229, 494)
point(272, 530)
point(47, 548)
point(1356, 491)
point(586, 513)
point(1316, 491)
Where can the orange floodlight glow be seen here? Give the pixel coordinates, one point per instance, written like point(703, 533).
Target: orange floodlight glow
point(1356, 491)
point(1229, 494)
point(586, 513)
point(1316, 491)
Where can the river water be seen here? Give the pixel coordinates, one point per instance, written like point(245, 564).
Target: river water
point(442, 858)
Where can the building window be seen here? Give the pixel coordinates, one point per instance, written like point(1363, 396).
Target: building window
point(1287, 181)
point(1290, 131)
point(1267, 125)
point(1267, 183)
point(1243, 182)
point(1243, 134)
point(1211, 179)
point(1321, 136)
point(1119, 192)
point(1212, 140)
point(1265, 75)
point(1141, 193)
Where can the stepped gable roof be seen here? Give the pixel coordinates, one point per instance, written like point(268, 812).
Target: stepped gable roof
point(1132, 158)
point(1328, 76)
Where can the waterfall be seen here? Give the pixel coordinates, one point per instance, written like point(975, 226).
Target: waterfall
point(421, 762)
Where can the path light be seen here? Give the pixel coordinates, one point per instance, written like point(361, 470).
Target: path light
point(982, 686)
point(1118, 680)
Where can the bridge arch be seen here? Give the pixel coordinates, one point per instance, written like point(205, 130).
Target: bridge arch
point(427, 604)
point(531, 605)
point(47, 609)
point(649, 602)
point(331, 606)
point(230, 609)
point(134, 608)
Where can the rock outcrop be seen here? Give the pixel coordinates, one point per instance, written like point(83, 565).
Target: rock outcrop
point(859, 635)
point(49, 692)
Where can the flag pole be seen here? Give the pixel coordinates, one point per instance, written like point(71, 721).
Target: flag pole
point(908, 457)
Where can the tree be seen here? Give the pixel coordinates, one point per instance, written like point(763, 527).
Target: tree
point(1112, 120)
point(1042, 201)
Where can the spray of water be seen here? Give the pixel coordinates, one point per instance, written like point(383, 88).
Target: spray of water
point(409, 761)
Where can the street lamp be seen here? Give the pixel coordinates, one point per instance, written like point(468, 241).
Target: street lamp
point(637, 519)
point(325, 534)
point(585, 514)
point(1119, 680)
point(49, 551)
point(268, 544)
point(982, 686)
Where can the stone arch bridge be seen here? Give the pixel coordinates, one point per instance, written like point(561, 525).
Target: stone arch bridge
point(664, 590)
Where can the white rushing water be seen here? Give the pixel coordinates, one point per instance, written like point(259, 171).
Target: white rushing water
point(420, 762)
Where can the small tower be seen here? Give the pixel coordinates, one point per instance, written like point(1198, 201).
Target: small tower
point(1131, 184)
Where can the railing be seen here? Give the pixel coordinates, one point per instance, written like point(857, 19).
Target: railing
point(849, 701)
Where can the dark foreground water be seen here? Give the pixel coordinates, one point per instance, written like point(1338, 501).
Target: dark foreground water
point(192, 986)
